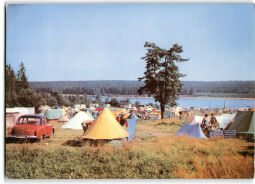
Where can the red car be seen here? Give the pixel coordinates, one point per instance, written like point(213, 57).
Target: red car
point(32, 127)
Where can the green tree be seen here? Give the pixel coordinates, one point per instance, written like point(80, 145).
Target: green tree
point(10, 87)
point(51, 101)
point(29, 98)
point(60, 99)
point(115, 103)
point(21, 77)
point(18, 92)
point(162, 77)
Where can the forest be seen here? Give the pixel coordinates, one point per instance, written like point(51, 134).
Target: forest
point(121, 87)
point(20, 92)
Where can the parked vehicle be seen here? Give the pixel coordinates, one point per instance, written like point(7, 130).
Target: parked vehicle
point(32, 127)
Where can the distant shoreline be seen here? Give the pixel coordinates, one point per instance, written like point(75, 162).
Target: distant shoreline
point(188, 97)
point(227, 98)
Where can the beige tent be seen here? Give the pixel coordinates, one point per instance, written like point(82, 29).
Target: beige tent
point(105, 127)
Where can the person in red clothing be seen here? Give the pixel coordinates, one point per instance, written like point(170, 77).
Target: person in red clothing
point(126, 123)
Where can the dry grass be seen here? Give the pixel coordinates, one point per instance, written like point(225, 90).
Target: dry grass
point(65, 155)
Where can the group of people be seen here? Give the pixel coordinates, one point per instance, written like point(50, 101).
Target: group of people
point(209, 123)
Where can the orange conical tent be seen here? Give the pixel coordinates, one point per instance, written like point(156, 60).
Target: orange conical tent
point(105, 127)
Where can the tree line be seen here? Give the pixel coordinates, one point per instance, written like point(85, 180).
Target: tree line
point(121, 87)
point(19, 93)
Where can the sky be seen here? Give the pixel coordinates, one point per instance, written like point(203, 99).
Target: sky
point(65, 42)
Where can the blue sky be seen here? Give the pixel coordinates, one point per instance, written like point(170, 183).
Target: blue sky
point(105, 41)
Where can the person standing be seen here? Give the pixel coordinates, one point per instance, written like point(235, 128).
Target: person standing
point(205, 121)
point(213, 122)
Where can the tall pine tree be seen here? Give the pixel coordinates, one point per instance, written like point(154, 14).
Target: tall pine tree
point(162, 77)
point(22, 78)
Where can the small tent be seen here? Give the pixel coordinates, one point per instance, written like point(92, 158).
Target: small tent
point(64, 118)
point(90, 115)
point(75, 122)
point(243, 123)
point(131, 126)
point(193, 130)
point(105, 127)
point(53, 114)
point(168, 114)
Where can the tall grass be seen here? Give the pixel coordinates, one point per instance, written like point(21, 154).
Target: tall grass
point(165, 157)
point(65, 155)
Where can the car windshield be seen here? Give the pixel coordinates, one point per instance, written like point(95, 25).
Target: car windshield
point(29, 120)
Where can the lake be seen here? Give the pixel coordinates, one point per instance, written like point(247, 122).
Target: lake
point(201, 102)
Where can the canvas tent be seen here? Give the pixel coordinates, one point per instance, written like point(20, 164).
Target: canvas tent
point(193, 130)
point(53, 114)
point(75, 122)
point(105, 127)
point(22, 110)
point(243, 123)
point(168, 114)
point(90, 115)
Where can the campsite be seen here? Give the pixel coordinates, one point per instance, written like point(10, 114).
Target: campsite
point(156, 151)
point(128, 91)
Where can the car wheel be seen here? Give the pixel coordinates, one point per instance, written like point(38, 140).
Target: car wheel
point(52, 133)
point(41, 138)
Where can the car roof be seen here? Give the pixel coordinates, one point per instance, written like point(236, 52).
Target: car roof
point(33, 116)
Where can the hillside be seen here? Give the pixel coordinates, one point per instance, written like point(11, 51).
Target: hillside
point(121, 87)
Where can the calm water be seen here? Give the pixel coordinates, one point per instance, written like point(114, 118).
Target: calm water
point(202, 103)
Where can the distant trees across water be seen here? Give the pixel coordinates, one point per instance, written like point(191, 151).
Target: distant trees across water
point(121, 87)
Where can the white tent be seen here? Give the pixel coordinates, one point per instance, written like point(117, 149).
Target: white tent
point(90, 115)
point(197, 119)
point(75, 122)
point(22, 110)
point(223, 119)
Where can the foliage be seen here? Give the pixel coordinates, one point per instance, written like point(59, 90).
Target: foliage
point(114, 102)
point(162, 77)
point(17, 90)
point(10, 87)
point(116, 87)
point(22, 81)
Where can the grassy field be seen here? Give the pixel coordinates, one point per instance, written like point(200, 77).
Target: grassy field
point(66, 155)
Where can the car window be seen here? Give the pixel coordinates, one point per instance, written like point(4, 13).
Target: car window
point(34, 121)
point(22, 120)
point(45, 121)
point(29, 120)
